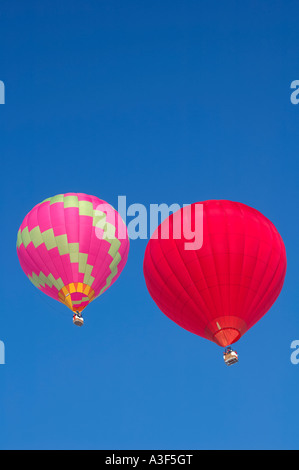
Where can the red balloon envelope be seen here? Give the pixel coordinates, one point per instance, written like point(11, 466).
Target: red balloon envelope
point(219, 288)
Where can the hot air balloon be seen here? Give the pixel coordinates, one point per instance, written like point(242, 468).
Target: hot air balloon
point(73, 247)
point(220, 289)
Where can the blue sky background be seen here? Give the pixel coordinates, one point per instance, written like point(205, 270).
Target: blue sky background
point(161, 101)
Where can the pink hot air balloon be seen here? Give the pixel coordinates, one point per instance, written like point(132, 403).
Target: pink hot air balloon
point(73, 247)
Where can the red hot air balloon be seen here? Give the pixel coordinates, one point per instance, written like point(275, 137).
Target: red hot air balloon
point(222, 287)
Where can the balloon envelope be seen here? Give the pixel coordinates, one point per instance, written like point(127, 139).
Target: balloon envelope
point(224, 287)
point(73, 247)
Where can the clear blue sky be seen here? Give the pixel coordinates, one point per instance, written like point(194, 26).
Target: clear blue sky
point(161, 101)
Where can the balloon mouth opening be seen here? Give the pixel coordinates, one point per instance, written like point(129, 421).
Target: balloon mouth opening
point(226, 336)
point(76, 296)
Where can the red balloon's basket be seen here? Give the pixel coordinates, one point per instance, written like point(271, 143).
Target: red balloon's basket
point(230, 357)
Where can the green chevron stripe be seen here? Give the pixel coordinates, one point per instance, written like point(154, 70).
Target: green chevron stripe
point(46, 200)
point(62, 244)
point(19, 239)
point(70, 201)
point(36, 237)
point(88, 278)
point(41, 281)
point(85, 208)
point(78, 302)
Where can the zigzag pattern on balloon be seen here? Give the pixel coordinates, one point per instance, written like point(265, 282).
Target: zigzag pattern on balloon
point(70, 249)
